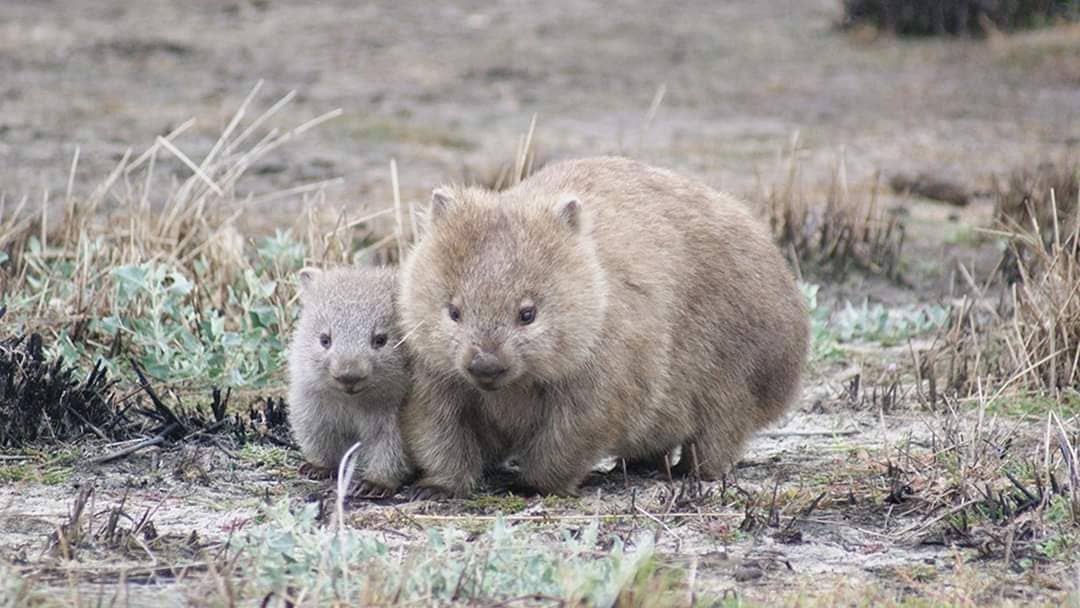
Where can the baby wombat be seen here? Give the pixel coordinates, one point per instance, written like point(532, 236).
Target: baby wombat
point(600, 307)
point(347, 377)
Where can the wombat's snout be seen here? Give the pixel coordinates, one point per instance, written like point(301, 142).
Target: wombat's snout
point(351, 375)
point(486, 368)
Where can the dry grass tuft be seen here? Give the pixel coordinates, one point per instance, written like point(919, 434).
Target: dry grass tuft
point(1041, 201)
point(1045, 337)
point(159, 268)
point(509, 174)
point(956, 17)
point(840, 232)
point(138, 216)
point(1029, 340)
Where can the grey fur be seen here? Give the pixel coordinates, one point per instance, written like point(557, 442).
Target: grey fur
point(351, 306)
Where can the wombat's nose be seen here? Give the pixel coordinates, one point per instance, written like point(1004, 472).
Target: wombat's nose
point(486, 367)
point(349, 380)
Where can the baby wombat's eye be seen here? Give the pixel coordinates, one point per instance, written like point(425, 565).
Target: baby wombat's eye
point(324, 340)
point(378, 340)
point(526, 315)
point(454, 312)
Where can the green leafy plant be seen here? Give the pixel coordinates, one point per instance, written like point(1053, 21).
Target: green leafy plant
point(161, 317)
point(876, 323)
point(823, 343)
point(292, 558)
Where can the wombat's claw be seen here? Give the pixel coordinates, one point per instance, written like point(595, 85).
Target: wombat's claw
point(367, 489)
point(314, 471)
point(428, 493)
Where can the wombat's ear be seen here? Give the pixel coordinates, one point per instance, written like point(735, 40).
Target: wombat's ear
point(307, 277)
point(568, 211)
point(441, 200)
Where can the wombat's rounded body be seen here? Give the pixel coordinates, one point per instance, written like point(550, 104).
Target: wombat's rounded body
point(600, 307)
point(348, 377)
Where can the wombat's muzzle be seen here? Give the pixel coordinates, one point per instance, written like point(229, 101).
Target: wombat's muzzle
point(350, 375)
point(486, 369)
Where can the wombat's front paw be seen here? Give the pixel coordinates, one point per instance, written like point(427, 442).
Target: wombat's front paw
point(566, 491)
point(314, 471)
point(424, 492)
point(371, 489)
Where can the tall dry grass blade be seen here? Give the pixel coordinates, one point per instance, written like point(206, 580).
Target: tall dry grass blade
point(293, 191)
point(361, 220)
point(171, 135)
point(259, 120)
point(346, 471)
point(233, 124)
point(399, 224)
point(318, 120)
point(99, 194)
point(412, 221)
point(196, 169)
point(524, 150)
point(71, 175)
point(650, 115)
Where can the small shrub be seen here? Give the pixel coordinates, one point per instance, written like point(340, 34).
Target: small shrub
point(866, 323)
point(1031, 341)
point(293, 560)
point(957, 17)
point(41, 397)
point(1045, 337)
point(1024, 204)
point(875, 323)
point(823, 343)
point(838, 232)
point(166, 276)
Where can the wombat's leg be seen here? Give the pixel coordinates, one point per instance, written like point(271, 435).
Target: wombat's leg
point(314, 471)
point(387, 466)
point(717, 446)
point(442, 443)
point(322, 449)
point(710, 458)
point(367, 489)
point(561, 454)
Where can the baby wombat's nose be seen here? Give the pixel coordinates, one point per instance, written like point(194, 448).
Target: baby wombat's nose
point(486, 367)
point(351, 374)
point(350, 379)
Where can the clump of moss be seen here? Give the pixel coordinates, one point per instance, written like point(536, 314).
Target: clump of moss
point(496, 504)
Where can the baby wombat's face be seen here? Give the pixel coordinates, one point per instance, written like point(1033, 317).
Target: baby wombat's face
point(347, 337)
point(502, 291)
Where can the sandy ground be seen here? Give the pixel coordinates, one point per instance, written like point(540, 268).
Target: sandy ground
point(444, 87)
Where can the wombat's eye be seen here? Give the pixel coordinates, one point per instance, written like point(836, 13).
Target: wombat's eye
point(527, 315)
point(455, 314)
point(324, 340)
point(378, 340)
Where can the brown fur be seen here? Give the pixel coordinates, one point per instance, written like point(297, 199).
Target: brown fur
point(665, 317)
point(352, 307)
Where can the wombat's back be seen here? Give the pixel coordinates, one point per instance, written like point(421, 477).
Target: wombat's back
point(692, 273)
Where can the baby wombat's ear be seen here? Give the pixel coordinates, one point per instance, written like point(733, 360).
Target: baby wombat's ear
point(307, 278)
point(568, 210)
point(441, 200)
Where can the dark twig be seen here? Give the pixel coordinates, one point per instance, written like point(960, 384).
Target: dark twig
point(152, 441)
point(163, 410)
